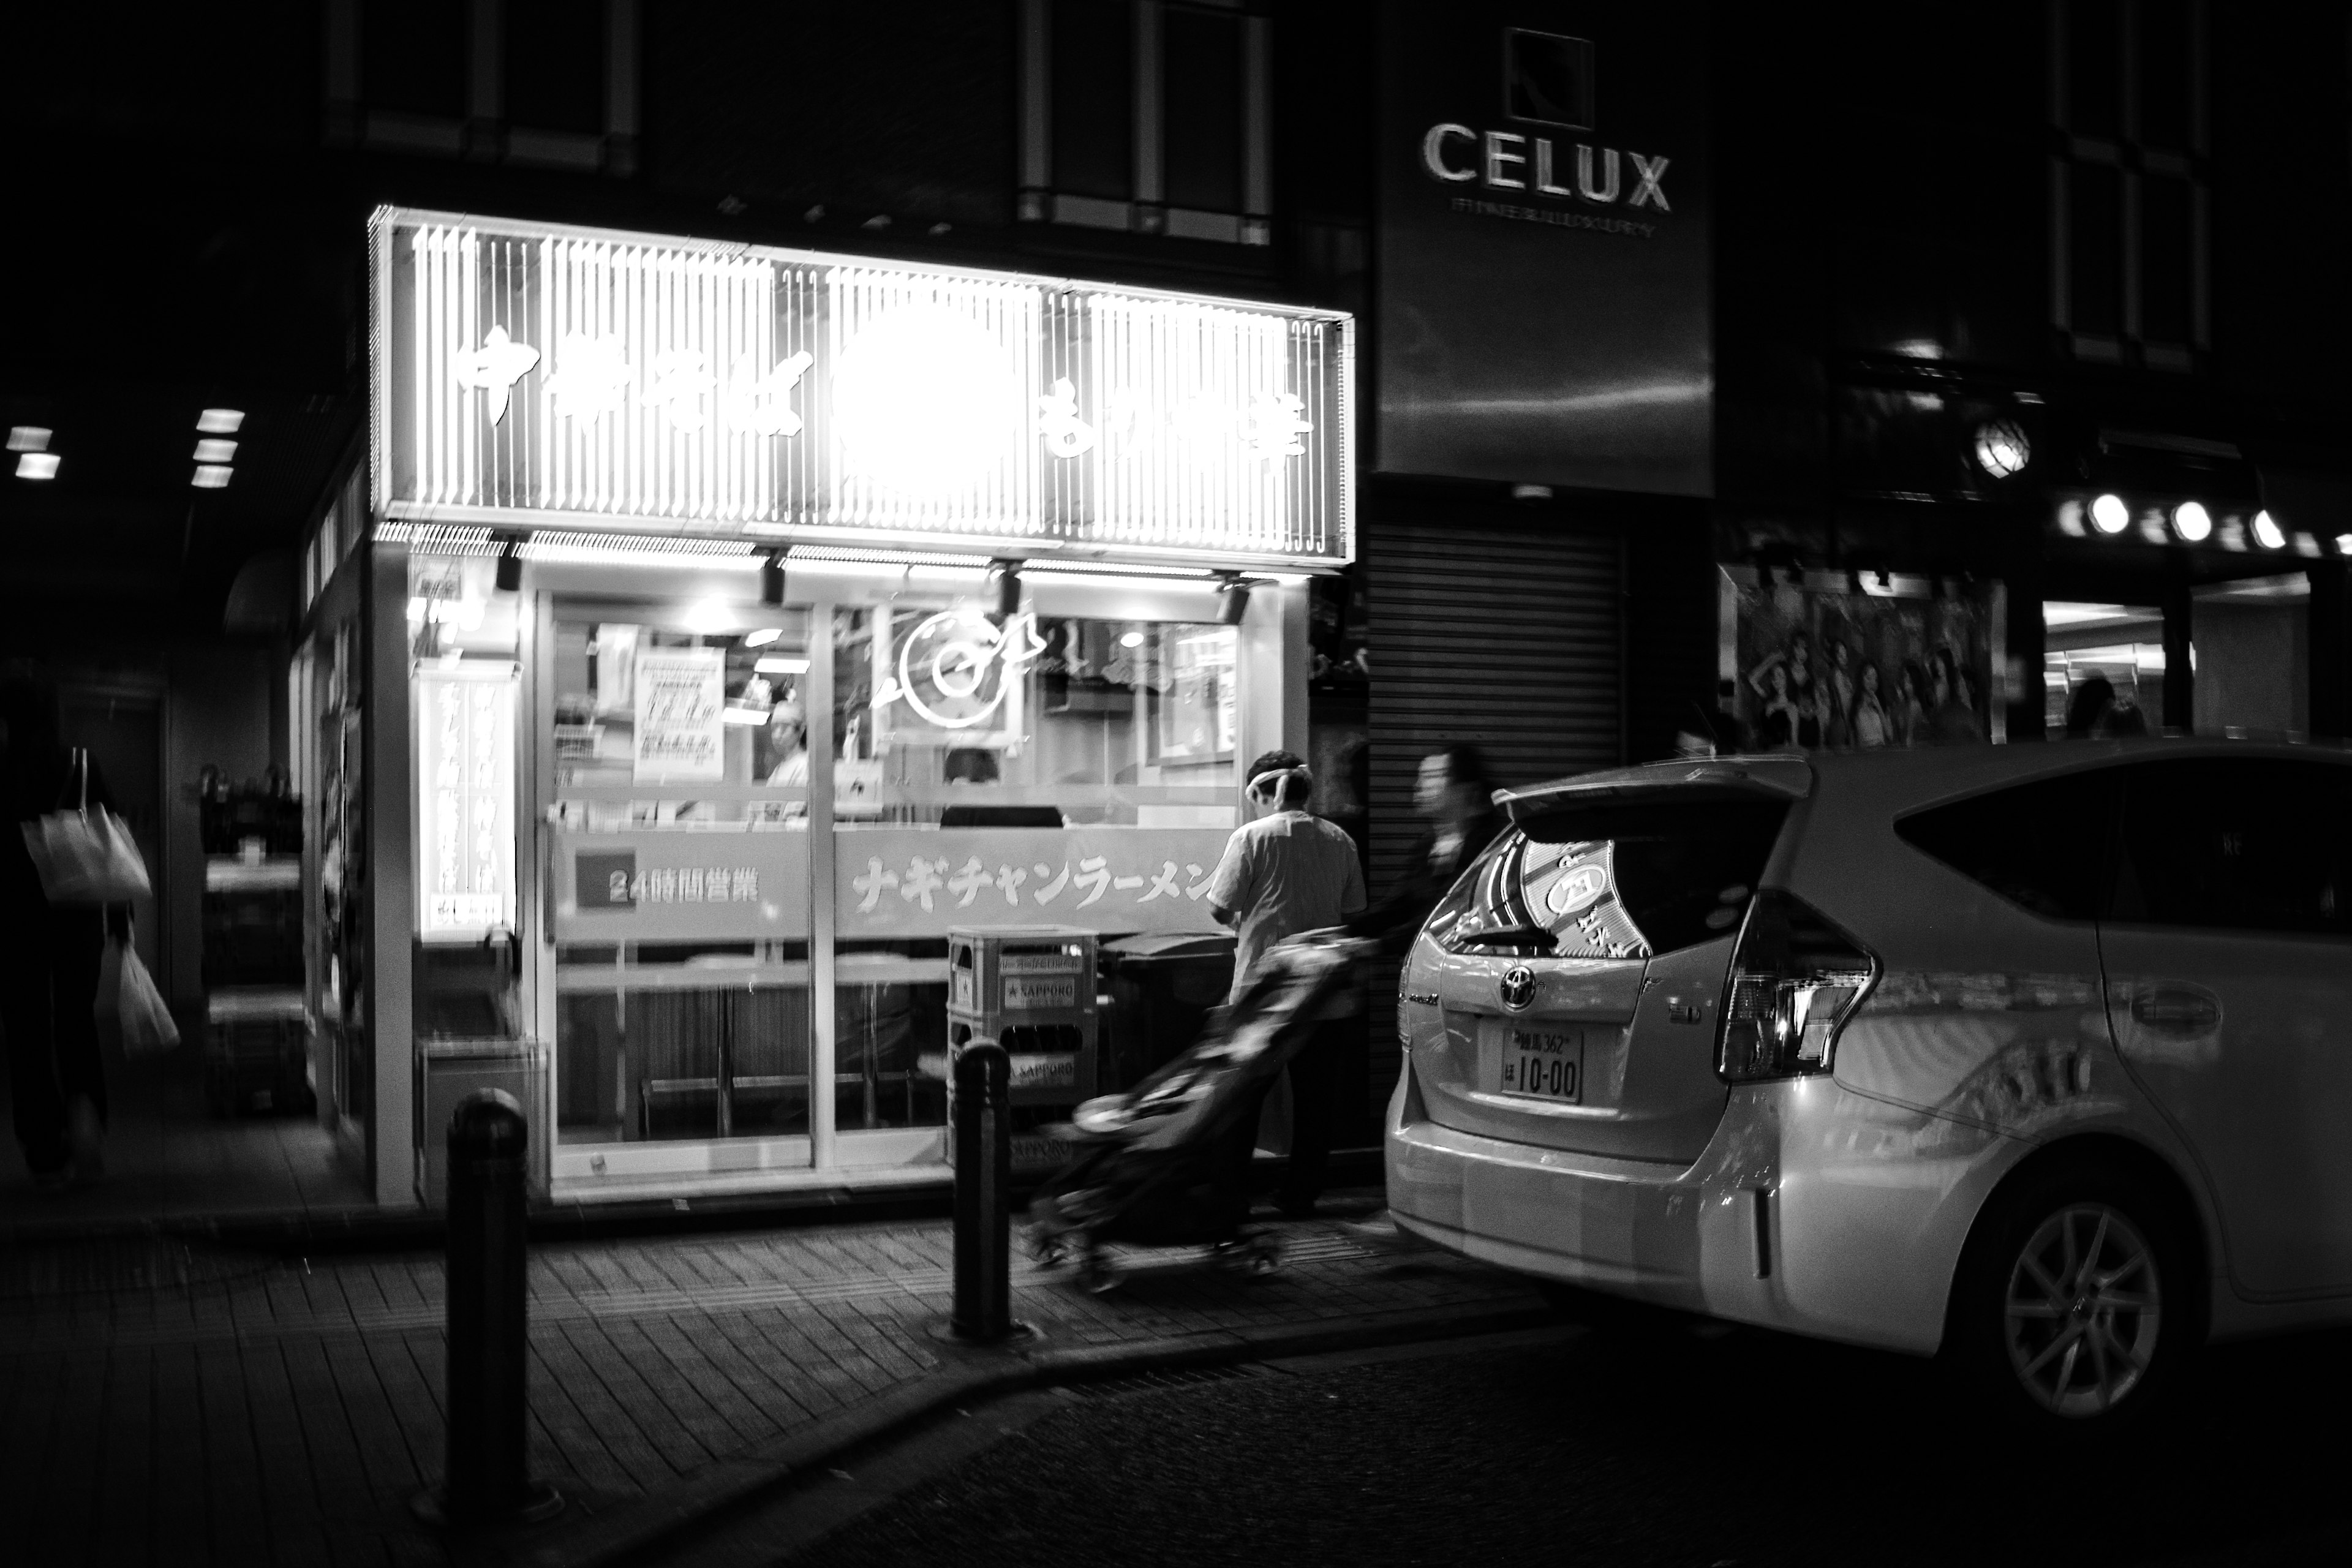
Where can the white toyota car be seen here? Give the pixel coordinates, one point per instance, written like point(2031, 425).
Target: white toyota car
point(2039, 1057)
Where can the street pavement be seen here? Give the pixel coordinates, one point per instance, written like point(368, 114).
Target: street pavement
point(1680, 1447)
point(174, 1404)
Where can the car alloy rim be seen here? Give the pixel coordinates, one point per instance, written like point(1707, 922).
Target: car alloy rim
point(2083, 1311)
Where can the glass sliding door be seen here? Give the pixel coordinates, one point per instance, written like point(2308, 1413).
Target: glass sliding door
point(677, 884)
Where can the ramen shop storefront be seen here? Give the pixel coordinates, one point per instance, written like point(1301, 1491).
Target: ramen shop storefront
point(758, 618)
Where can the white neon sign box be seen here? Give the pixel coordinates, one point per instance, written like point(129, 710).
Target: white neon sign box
point(532, 373)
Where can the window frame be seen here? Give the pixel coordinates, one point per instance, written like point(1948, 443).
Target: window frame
point(484, 133)
point(1147, 211)
point(2134, 163)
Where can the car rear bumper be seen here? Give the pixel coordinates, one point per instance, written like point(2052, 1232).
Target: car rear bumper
point(1813, 1210)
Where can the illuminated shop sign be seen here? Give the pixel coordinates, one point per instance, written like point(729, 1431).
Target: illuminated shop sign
point(529, 370)
point(464, 800)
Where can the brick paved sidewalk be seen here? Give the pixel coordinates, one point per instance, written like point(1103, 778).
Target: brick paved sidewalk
point(288, 1414)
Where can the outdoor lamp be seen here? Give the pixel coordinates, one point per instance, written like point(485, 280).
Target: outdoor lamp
point(2002, 448)
point(2267, 532)
point(2192, 522)
point(509, 563)
point(1007, 574)
point(1233, 600)
point(2109, 514)
point(772, 581)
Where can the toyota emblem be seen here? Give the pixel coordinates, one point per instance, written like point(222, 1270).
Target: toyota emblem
point(1518, 987)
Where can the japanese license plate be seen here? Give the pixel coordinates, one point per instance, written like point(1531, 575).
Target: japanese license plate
point(1544, 1060)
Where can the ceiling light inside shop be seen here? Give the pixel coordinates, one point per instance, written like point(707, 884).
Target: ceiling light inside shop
point(779, 664)
point(211, 477)
point(2344, 544)
point(2002, 448)
point(37, 466)
point(2267, 532)
point(216, 451)
point(761, 637)
point(2192, 522)
point(708, 616)
point(220, 421)
point(27, 438)
point(1131, 639)
point(2110, 515)
point(737, 714)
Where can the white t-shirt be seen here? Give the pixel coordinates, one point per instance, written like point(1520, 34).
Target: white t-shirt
point(1282, 874)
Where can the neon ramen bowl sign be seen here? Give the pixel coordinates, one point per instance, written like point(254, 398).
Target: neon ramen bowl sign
point(955, 670)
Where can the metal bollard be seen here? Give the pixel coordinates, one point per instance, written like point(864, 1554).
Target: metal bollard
point(984, 1175)
point(487, 1481)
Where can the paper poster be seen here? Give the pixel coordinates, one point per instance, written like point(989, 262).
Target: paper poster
point(1816, 664)
point(681, 698)
point(465, 777)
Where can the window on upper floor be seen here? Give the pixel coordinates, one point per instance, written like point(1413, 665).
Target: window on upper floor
point(2129, 200)
point(1148, 116)
point(550, 83)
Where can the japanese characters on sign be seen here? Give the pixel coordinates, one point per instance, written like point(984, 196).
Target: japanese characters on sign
point(912, 882)
point(536, 368)
point(464, 790)
point(661, 885)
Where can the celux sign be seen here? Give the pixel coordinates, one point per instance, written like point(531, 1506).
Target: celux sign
point(1556, 154)
point(534, 375)
point(1547, 92)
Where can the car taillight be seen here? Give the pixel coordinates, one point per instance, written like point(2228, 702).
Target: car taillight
point(1795, 980)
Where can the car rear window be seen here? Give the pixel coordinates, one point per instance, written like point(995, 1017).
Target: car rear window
point(1613, 881)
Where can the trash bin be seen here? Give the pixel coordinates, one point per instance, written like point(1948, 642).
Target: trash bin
point(1161, 988)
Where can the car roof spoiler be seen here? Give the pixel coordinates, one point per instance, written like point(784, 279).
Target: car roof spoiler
point(1689, 781)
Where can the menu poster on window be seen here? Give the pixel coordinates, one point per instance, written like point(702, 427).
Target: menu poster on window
point(466, 784)
point(680, 725)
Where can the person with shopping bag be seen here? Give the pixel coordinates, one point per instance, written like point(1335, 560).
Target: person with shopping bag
point(51, 952)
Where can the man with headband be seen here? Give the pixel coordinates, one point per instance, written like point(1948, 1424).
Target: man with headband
point(1285, 872)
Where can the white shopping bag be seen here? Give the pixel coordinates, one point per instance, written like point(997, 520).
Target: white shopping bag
point(130, 1011)
point(84, 853)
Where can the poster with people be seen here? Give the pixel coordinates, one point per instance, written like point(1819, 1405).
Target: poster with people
point(1840, 662)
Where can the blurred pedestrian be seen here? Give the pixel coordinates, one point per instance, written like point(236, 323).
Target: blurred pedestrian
point(48, 957)
point(1455, 793)
point(2088, 708)
point(1285, 872)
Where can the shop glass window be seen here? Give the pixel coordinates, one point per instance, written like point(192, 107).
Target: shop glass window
point(2046, 847)
point(681, 786)
point(1049, 770)
point(2246, 845)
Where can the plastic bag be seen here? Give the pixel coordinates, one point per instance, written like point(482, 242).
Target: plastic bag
point(129, 1009)
point(84, 853)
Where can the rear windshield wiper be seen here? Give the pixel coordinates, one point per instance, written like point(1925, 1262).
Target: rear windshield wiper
point(1506, 936)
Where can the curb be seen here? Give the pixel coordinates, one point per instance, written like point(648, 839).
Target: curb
point(362, 1229)
point(615, 1538)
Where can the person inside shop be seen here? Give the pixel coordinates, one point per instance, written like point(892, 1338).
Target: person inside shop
point(1284, 872)
point(49, 958)
point(977, 765)
point(787, 743)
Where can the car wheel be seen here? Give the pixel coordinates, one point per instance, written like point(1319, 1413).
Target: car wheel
point(2076, 1302)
